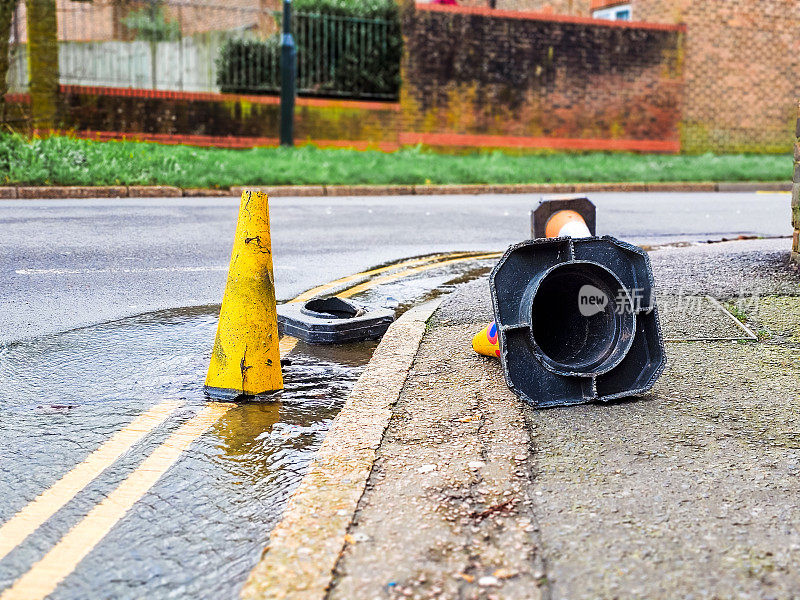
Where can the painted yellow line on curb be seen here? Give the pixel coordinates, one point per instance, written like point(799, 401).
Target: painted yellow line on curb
point(784, 192)
point(14, 531)
point(287, 344)
point(44, 576)
point(315, 291)
point(407, 268)
point(413, 271)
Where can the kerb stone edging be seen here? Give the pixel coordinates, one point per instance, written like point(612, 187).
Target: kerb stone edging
point(165, 191)
point(305, 545)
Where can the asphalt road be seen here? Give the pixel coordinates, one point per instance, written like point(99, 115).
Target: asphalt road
point(73, 263)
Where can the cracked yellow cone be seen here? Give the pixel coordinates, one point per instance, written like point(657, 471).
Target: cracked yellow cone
point(246, 360)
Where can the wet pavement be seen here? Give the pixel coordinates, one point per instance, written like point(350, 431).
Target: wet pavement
point(68, 384)
point(71, 263)
point(687, 492)
point(198, 532)
point(202, 526)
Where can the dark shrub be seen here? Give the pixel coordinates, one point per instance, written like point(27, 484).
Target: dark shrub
point(249, 66)
point(343, 49)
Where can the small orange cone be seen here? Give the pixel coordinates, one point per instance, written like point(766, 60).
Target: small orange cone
point(486, 341)
point(566, 223)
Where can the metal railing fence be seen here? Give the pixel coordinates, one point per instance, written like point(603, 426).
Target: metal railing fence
point(191, 46)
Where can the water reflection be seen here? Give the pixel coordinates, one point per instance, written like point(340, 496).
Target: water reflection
point(202, 527)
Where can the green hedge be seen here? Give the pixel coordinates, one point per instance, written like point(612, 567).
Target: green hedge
point(344, 49)
point(247, 66)
point(366, 9)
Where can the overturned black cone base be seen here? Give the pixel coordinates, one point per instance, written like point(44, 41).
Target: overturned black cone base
point(577, 320)
point(333, 321)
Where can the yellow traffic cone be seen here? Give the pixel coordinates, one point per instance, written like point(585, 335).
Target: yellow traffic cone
point(246, 360)
point(486, 341)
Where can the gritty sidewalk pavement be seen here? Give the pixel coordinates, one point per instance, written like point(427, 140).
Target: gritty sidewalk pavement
point(690, 491)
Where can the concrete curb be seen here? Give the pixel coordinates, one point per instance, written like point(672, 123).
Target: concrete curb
point(305, 545)
point(165, 191)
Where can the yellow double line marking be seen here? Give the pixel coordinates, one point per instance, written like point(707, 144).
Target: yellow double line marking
point(46, 574)
point(404, 265)
point(30, 518)
point(412, 271)
point(286, 345)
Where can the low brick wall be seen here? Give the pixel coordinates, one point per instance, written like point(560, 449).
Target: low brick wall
point(253, 120)
point(796, 193)
point(480, 72)
point(472, 78)
point(223, 120)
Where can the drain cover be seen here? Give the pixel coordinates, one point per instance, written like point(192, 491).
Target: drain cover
point(333, 321)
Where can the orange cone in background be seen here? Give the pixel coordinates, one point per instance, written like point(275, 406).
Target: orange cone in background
point(566, 223)
point(562, 223)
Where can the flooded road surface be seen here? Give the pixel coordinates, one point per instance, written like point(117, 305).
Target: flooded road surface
point(197, 529)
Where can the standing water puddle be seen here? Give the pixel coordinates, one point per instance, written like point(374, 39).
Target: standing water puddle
point(199, 531)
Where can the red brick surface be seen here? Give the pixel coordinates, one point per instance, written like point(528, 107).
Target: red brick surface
point(475, 77)
point(562, 7)
point(206, 193)
point(533, 15)
point(282, 190)
point(598, 4)
point(742, 69)
point(31, 192)
point(154, 191)
point(741, 63)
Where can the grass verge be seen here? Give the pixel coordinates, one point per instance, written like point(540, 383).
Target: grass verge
point(71, 161)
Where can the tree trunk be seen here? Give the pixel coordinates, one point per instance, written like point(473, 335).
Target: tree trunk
point(6, 14)
point(43, 62)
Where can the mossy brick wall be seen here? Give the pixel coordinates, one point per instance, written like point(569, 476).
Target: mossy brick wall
point(472, 73)
point(219, 115)
point(741, 64)
point(796, 192)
